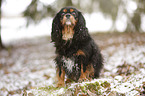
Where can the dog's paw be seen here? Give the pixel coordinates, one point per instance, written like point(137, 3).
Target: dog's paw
point(82, 80)
point(60, 84)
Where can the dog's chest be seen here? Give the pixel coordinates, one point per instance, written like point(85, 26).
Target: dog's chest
point(69, 63)
point(72, 68)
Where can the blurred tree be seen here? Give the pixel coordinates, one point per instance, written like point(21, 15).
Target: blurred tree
point(110, 8)
point(1, 45)
point(136, 20)
point(36, 11)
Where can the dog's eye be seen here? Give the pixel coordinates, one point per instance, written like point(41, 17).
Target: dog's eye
point(73, 13)
point(62, 14)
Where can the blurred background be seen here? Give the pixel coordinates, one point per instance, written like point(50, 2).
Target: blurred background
point(27, 55)
point(33, 18)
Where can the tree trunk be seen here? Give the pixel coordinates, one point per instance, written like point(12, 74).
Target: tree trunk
point(1, 45)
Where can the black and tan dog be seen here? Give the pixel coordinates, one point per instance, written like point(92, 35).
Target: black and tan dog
point(78, 57)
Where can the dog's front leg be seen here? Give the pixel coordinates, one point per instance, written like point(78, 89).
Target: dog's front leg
point(84, 74)
point(60, 77)
point(82, 61)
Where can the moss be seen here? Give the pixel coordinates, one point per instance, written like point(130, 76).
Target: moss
point(97, 83)
point(105, 84)
point(48, 89)
point(93, 87)
point(83, 89)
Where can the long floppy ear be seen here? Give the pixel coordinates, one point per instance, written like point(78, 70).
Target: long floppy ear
point(81, 20)
point(56, 28)
point(81, 30)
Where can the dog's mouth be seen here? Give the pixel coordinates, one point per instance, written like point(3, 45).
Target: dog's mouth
point(68, 22)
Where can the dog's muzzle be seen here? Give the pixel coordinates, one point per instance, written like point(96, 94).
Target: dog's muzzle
point(68, 21)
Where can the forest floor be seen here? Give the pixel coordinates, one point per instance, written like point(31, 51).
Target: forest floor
point(27, 68)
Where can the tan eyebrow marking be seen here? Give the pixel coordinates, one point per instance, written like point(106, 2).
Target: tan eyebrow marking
point(71, 10)
point(64, 10)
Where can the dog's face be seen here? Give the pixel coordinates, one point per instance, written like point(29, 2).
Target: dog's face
point(67, 24)
point(69, 16)
point(68, 19)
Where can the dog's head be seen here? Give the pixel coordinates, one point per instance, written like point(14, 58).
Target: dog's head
point(69, 16)
point(68, 21)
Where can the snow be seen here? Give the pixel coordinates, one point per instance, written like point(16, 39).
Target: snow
point(129, 54)
point(29, 66)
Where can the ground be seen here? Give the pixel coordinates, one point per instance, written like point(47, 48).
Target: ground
point(27, 68)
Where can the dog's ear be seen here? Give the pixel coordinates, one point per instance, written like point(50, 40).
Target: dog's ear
point(56, 28)
point(81, 30)
point(81, 21)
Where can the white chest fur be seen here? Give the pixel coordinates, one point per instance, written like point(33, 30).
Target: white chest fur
point(69, 63)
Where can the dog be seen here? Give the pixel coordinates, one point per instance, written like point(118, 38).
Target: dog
point(78, 57)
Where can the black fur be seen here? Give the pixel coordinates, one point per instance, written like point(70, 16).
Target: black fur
point(80, 41)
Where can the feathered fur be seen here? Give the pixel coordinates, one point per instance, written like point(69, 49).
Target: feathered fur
point(81, 50)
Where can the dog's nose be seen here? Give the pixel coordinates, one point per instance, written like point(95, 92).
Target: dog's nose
point(67, 16)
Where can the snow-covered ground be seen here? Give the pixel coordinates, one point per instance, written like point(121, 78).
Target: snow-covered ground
point(28, 68)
